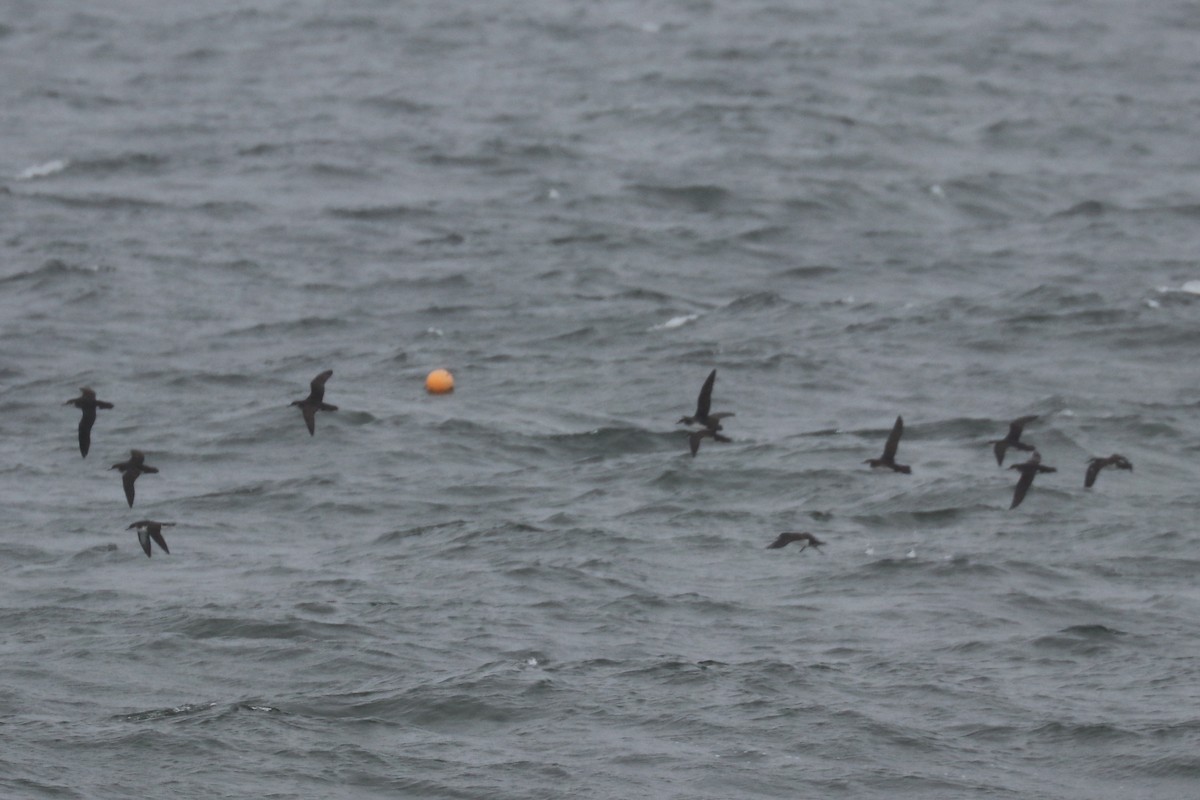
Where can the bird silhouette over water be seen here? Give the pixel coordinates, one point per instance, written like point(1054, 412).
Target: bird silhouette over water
point(1028, 470)
point(1096, 464)
point(310, 405)
point(888, 459)
point(1013, 439)
point(149, 529)
point(797, 536)
point(703, 404)
point(694, 438)
point(131, 469)
point(88, 403)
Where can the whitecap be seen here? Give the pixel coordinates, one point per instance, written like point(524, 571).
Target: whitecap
point(42, 170)
point(676, 322)
point(1191, 287)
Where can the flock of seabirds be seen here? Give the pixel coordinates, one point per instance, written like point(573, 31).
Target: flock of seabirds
point(710, 426)
point(136, 466)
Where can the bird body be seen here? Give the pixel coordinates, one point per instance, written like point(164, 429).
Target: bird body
point(87, 403)
point(1096, 464)
point(1028, 470)
point(1012, 438)
point(788, 537)
point(131, 469)
point(888, 459)
point(315, 401)
point(149, 529)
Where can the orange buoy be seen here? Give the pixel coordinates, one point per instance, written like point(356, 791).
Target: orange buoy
point(440, 381)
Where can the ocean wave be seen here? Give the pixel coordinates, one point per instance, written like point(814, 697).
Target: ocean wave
point(54, 272)
point(699, 198)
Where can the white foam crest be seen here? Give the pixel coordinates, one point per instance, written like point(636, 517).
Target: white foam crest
point(42, 170)
point(676, 322)
point(1188, 287)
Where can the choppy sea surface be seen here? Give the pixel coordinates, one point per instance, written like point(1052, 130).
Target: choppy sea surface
point(529, 589)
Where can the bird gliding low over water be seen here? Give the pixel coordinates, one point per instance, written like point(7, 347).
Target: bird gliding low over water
point(131, 469)
point(149, 529)
point(1096, 464)
point(310, 405)
point(88, 403)
point(784, 539)
point(1013, 438)
point(1028, 470)
point(888, 459)
point(703, 404)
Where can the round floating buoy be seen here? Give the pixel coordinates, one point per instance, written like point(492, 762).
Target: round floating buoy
point(440, 381)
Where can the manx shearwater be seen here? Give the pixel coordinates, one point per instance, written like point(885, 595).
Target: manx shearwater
point(703, 404)
point(1096, 464)
point(131, 469)
point(149, 529)
point(315, 401)
point(88, 403)
point(797, 536)
point(1012, 439)
point(888, 459)
point(1028, 470)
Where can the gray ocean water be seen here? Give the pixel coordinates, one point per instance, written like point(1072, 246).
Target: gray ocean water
point(961, 213)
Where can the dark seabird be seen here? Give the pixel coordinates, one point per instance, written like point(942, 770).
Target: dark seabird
point(149, 529)
point(1028, 470)
point(1096, 464)
point(702, 417)
point(131, 469)
point(88, 403)
point(889, 451)
point(310, 405)
point(1013, 439)
point(787, 538)
point(694, 438)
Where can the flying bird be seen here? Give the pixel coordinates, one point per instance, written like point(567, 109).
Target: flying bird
point(1028, 470)
point(792, 536)
point(1012, 439)
point(694, 438)
point(131, 469)
point(1096, 464)
point(88, 403)
point(310, 405)
point(149, 529)
point(703, 404)
point(888, 459)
